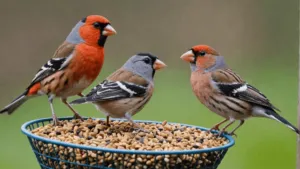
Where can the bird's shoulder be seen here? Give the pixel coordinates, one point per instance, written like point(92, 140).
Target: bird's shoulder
point(127, 76)
point(64, 50)
point(226, 76)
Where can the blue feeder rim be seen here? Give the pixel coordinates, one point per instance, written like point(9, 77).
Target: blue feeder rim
point(122, 151)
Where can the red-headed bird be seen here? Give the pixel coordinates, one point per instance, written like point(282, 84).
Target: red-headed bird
point(224, 92)
point(126, 91)
point(74, 66)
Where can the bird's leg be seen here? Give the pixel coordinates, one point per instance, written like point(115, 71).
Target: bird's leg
point(224, 129)
point(55, 119)
point(76, 115)
point(216, 127)
point(80, 94)
point(128, 117)
point(134, 125)
point(107, 121)
point(241, 123)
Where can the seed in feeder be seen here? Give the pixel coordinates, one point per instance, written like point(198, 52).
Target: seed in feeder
point(121, 136)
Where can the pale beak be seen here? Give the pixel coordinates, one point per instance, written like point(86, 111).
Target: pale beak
point(188, 56)
point(109, 30)
point(158, 64)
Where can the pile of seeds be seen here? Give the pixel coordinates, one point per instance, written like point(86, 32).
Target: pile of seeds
point(121, 135)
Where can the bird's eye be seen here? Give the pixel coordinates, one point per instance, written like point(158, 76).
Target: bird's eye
point(202, 53)
point(97, 25)
point(147, 60)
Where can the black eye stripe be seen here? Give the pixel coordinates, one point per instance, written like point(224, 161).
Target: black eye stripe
point(99, 25)
point(194, 52)
point(200, 53)
point(149, 56)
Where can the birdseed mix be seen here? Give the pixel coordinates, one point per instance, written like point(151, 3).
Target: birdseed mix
point(121, 135)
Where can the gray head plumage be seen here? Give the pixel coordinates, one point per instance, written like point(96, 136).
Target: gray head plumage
point(74, 36)
point(219, 64)
point(142, 64)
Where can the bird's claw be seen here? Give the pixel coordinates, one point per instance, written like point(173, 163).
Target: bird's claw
point(56, 122)
point(214, 128)
point(232, 134)
point(77, 116)
point(222, 132)
point(227, 133)
point(137, 128)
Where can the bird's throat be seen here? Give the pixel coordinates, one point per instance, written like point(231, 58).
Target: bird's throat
point(102, 40)
point(193, 67)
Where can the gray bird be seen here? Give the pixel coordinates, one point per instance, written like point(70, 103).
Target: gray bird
point(126, 91)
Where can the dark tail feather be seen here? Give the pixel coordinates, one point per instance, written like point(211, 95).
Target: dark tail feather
point(79, 101)
point(14, 104)
point(277, 117)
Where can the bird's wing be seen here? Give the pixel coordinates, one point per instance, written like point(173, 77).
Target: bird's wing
point(230, 84)
point(109, 90)
point(128, 76)
point(60, 60)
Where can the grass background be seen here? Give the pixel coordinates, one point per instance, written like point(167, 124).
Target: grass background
point(259, 40)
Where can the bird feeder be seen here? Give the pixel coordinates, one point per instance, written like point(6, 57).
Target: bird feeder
point(92, 144)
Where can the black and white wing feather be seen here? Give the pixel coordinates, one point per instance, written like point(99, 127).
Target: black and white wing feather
point(245, 92)
point(230, 84)
point(107, 91)
point(52, 66)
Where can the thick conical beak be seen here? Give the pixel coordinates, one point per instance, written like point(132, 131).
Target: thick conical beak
point(158, 64)
point(188, 56)
point(109, 30)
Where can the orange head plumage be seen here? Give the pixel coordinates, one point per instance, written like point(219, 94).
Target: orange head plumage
point(202, 57)
point(92, 30)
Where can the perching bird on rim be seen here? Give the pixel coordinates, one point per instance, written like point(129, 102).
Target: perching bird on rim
point(73, 67)
point(224, 92)
point(126, 91)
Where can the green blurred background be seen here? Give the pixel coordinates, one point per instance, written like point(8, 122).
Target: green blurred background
point(259, 39)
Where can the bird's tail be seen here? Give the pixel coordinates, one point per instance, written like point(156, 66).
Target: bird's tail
point(277, 117)
point(9, 109)
point(79, 101)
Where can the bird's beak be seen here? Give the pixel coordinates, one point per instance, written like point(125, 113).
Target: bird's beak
point(109, 30)
point(158, 64)
point(188, 56)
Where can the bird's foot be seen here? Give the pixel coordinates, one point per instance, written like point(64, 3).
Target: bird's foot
point(222, 132)
point(55, 120)
point(227, 133)
point(77, 116)
point(137, 128)
point(214, 128)
point(232, 134)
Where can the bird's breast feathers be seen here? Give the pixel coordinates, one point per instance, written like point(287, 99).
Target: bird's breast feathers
point(87, 62)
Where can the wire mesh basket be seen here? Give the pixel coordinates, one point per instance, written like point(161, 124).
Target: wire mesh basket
point(54, 154)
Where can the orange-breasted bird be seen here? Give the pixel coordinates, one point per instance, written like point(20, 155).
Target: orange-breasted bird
point(126, 91)
point(74, 66)
point(224, 92)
